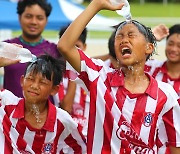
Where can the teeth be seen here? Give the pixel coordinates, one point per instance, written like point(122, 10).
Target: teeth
point(126, 50)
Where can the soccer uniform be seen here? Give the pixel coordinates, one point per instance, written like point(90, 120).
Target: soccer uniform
point(121, 122)
point(12, 73)
point(158, 70)
point(60, 134)
point(80, 107)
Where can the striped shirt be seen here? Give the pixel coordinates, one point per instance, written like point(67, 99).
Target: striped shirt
point(121, 122)
point(80, 108)
point(158, 70)
point(60, 134)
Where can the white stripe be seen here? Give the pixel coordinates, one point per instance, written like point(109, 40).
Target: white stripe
point(159, 76)
point(176, 111)
point(98, 130)
point(115, 141)
point(128, 108)
point(29, 138)
point(150, 107)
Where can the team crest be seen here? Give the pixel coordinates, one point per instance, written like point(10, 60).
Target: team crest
point(48, 148)
point(147, 119)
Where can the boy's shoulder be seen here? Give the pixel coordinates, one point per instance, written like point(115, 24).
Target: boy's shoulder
point(168, 90)
point(154, 63)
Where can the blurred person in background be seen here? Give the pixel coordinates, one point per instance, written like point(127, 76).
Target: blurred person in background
point(169, 70)
point(33, 17)
point(71, 96)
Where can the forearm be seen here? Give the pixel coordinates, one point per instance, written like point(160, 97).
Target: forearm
point(66, 44)
point(175, 150)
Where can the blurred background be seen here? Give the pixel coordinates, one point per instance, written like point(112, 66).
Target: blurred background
point(148, 12)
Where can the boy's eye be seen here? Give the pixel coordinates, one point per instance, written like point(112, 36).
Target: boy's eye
point(131, 35)
point(44, 82)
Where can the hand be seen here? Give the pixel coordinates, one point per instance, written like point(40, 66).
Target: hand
point(160, 31)
point(107, 5)
point(6, 61)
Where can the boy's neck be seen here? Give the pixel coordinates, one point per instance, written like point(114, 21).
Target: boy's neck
point(135, 80)
point(36, 114)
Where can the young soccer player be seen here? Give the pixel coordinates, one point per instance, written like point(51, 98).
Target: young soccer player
point(34, 125)
point(130, 112)
point(72, 97)
point(169, 70)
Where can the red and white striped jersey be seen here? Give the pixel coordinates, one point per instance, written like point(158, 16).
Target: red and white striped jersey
point(60, 134)
point(121, 122)
point(80, 108)
point(158, 70)
point(7, 97)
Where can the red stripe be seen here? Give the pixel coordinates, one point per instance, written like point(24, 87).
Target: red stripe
point(92, 117)
point(71, 142)
point(6, 130)
point(138, 113)
point(108, 122)
point(20, 141)
point(169, 125)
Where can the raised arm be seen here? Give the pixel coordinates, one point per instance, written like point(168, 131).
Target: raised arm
point(66, 44)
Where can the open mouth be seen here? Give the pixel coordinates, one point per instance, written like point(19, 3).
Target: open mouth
point(125, 51)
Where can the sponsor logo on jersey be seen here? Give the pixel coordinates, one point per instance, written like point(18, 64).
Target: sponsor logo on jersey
point(24, 152)
point(47, 148)
point(131, 139)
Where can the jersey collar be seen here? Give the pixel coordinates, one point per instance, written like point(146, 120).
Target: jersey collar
point(116, 79)
point(51, 118)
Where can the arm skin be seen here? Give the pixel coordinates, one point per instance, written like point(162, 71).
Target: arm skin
point(175, 150)
point(6, 62)
point(68, 100)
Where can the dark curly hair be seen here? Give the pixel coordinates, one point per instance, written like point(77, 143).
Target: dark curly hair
point(22, 4)
point(174, 29)
point(50, 67)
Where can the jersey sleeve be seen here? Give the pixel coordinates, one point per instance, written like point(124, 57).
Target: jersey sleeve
point(169, 130)
point(8, 98)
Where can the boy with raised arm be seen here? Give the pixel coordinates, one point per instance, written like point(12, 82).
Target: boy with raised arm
point(130, 112)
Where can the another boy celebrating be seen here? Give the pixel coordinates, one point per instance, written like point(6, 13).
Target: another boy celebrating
point(130, 112)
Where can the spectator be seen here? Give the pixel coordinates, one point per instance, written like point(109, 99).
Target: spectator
point(34, 125)
point(130, 112)
point(33, 16)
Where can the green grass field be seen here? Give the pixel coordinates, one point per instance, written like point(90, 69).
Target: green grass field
point(149, 11)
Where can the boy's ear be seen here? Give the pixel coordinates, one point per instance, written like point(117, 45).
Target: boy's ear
point(21, 80)
point(85, 46)
point(54, 90)
point(149, 48)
